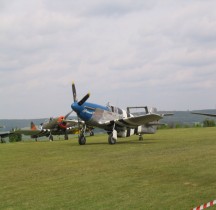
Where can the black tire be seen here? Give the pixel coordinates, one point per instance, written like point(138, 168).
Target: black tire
point(111, 140)
point(82, 140)
point(51, 138)
point(66, 137)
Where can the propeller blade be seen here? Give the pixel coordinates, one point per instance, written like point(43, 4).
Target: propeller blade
point(84, 99)
point(74, 92)
point(68, 114)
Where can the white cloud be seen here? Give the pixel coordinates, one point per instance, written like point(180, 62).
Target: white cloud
point(144, 52)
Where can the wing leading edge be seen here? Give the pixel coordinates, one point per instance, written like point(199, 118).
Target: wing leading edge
point(5, 134)
point(133, 122)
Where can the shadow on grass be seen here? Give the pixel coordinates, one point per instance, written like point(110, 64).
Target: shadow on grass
point(149, 141)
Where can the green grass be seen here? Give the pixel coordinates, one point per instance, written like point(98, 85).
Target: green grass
point(172, 169)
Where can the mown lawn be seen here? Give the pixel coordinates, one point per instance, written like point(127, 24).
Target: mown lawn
point(172, 169)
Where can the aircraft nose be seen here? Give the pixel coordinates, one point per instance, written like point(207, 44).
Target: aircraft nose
point(74, 106)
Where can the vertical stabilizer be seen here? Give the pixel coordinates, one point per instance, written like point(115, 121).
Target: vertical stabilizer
point(33, 127)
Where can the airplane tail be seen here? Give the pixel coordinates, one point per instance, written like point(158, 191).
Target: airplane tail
point(33, 126)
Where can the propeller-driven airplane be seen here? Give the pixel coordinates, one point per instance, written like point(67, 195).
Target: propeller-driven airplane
point(54, 126)
point(4, 134)
point(115, 121)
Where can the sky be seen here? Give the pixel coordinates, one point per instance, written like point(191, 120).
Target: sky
point(159, 53)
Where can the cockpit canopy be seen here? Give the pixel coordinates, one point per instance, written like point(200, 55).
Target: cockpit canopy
point(114, 109)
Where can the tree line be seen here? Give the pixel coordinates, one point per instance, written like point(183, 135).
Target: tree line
point(205, 123)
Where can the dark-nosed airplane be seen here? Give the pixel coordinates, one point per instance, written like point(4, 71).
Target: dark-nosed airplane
point(115, 121)
point(4, 134)
point(54, 126)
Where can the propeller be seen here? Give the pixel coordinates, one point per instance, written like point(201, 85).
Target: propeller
point(84, 99)
point(80, 103)
point(68, 114)
point(74, 92)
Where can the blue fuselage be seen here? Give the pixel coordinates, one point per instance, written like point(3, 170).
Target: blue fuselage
point(86, 110)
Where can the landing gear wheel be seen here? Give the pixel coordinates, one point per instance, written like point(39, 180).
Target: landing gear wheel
point(82, 140)
point(91, 133)
point(140, 138)
point(51, 138)
point(66, 137)
point(111, 140)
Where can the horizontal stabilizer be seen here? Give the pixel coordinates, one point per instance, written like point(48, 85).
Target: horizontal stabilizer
point(155, 123)
point(167, 114)
point(205, 114)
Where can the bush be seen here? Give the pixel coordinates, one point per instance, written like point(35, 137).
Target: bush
point(208, 123)
point(187, 126)
point(178, 125)
point(163, 126)
point(15, 137)
point(197, 125)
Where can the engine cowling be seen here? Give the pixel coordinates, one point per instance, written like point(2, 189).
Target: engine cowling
point(61, 123)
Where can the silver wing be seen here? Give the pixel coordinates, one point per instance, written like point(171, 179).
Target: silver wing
point(133, 122)
point(107, 118)
point(5, 134)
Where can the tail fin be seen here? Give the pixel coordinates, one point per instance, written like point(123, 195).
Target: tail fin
point(33, 127)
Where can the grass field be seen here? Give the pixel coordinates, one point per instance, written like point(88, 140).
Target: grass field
point(172, 169)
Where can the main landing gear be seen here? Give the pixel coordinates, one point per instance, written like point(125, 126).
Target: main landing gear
point(66, 136)
point(82, 139)
point(112, 136)
point(91, 133)
point(111, 139)
point(51, 137)
point(140, 137)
